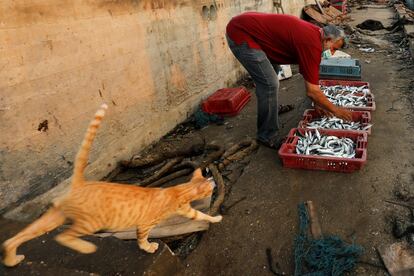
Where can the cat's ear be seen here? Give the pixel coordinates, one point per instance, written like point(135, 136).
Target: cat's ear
point(197, 174)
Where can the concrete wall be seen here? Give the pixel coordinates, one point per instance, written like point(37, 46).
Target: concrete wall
point(150, 60)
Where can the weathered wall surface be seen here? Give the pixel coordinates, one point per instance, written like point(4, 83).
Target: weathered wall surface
point(151, 61)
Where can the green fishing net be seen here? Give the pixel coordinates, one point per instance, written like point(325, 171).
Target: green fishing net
point(328, 256)
point(202, 118)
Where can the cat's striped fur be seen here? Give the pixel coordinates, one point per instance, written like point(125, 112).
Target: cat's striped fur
point(95, 205)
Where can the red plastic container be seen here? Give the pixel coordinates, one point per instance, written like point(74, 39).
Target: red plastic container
point(227, 101)
point(364, 117)
point(370, 97)
point(344, 82)
point(290, 159)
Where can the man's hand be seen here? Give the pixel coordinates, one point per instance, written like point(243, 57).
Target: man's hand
point(323, 113)
point(314, 92)
point(343, 114)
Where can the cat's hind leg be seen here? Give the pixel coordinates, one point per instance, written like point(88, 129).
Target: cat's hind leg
point(70, 238)
point(47, 222)
point(194, 214)
point(142, 239)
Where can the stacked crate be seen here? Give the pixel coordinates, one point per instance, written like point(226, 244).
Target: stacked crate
point(340, 68)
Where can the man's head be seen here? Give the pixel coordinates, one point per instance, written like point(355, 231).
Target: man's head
point(333, 38)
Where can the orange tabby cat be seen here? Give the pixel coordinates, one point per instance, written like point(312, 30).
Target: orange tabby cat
point(92, 206)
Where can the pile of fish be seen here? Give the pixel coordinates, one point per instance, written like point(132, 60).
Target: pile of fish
point(341, 95)
point(336, 123)
point(325, 145)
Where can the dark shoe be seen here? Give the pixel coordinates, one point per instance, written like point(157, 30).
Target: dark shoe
point(272, 144)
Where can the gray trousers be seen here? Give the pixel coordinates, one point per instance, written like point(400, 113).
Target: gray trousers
point(265, 77)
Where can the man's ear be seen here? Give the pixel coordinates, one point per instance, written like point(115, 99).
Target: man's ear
point(197, 174)
point(327, 43)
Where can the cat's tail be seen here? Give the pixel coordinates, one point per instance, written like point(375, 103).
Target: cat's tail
point(83, 154)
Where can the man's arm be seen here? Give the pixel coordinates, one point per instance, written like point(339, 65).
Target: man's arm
point(314, 92)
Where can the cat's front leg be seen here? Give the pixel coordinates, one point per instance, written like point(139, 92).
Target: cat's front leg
point(202, 216)
point(142, 239)
point(214, 219)
point(197, 215)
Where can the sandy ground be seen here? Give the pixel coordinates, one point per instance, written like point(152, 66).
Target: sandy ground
point(349, 205)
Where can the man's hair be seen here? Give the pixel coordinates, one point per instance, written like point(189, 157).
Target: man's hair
point(334, 33)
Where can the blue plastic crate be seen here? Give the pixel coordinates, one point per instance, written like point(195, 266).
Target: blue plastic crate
point(340, 68)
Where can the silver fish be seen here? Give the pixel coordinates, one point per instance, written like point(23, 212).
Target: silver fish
point(336, 123)
point(325, 145)
point(347, 96)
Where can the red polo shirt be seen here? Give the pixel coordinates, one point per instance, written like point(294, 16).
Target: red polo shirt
point(285, 39)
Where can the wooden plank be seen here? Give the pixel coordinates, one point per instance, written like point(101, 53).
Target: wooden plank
point(333, 12)
point(315, 15)
point(161, 232)
point(173, 226)
point(189, 226)
point(320, 7)
point(316, 229)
